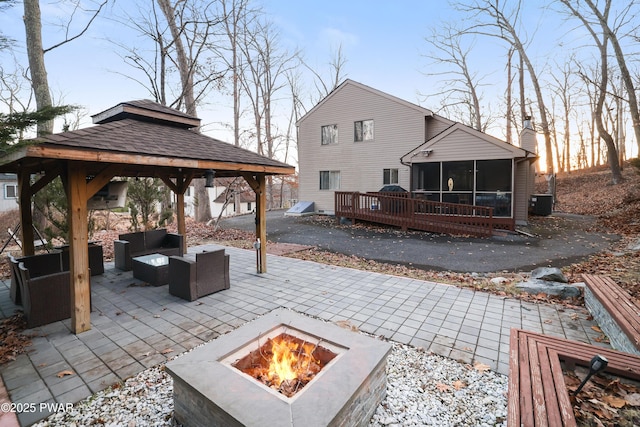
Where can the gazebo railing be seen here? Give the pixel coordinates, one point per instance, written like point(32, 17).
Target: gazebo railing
point(402, 210)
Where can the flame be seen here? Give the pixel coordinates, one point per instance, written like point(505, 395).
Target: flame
point(290, 361)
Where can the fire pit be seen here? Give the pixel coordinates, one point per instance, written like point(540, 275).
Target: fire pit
point(341, 382)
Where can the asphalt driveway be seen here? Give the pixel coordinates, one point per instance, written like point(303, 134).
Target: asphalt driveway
point(557, 240)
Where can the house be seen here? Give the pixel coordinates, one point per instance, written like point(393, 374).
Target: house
point(9, 199)
point(361, 139)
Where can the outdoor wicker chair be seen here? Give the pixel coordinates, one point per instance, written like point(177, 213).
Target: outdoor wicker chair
point(190, 280)
point(45, 299)
point(37, 265)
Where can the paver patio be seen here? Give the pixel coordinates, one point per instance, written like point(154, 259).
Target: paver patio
point(135, 327)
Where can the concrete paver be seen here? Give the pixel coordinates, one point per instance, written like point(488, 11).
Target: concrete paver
point(135, 327)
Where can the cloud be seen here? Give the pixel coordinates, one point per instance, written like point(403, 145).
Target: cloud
point(335, 37)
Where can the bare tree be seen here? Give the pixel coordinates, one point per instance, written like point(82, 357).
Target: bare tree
point(325, 85)
point(266, 66)
point(35, 52)
point(601, 43)
point(461, 82)
point(493, 20)
point(563, 87)
point(624, 18)
point(192, 25)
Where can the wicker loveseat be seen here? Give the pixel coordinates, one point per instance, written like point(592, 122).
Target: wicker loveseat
point(132, 245)
point(191, 279)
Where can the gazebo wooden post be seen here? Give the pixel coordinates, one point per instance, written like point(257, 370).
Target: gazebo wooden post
point(179, 188)
point(261, 223)
point(258, 185)
point(26, 217)
point(78, 248)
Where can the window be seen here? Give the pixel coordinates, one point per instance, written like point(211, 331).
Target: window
point(426, 176)
point(10, 191)
point(481, 183)
point(363, 130)
point(390, 176)
point(493, 175)
point(329, 180)
point(329, 134)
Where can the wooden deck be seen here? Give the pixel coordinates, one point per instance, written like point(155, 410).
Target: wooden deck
point(406, 212)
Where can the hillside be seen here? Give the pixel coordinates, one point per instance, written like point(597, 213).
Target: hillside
point(616, 209)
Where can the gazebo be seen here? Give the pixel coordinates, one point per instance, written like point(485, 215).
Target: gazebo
point(132, 139)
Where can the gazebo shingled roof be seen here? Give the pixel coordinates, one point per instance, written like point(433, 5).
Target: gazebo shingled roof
point(135, 138)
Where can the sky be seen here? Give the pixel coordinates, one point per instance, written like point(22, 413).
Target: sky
point(383, 42)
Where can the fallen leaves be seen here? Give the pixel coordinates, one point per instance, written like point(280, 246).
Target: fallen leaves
point(64, 373)
point(605, 400)
point(442, 387)
point(459, 385)
point(12, 341)
point(481, 367)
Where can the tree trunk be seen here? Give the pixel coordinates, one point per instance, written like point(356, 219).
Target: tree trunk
point(509, 96)
point(622, 65)
point(612, 154)
point(202, 207)
point(35, 53)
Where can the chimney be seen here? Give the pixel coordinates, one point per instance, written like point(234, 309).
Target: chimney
point(528, 136)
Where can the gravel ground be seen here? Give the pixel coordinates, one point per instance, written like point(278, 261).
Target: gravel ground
point(422, 389)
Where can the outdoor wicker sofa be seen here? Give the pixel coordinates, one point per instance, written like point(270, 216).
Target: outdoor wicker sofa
point(148, 242)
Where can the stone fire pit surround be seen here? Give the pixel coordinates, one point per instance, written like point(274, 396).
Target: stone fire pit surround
point(208, 391)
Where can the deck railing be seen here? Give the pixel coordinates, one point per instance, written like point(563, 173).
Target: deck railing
point(402, 210)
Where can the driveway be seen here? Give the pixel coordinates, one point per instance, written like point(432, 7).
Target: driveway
point(557, 240)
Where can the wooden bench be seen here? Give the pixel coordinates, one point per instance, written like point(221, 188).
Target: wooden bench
point(615, 311)
point(537, 392)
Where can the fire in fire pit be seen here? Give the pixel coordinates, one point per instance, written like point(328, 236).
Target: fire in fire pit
point(209, 390)
point(285, 363)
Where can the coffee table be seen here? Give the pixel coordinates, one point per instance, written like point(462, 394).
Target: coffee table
point(152, 268)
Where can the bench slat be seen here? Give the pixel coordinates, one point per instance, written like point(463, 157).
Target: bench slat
point(537, 391)
point(548, 382)
point(564, 402)
point(513, 396)
point(526, 400)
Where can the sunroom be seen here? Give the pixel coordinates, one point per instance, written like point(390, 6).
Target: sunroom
point(471, 182)
point(461, 165)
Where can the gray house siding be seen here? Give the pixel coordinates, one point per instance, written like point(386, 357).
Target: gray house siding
point(459, 144)
point(404, 135)
point(435, 125)
point(7, 201)
point(398, 127)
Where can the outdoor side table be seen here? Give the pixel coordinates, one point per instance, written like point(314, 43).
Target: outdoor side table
point(153, 269)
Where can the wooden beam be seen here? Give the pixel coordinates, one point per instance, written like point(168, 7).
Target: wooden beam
point(49, 175)
point(26, 218)
point(78, 248)
point(62, 153)
point(102, 179)
point(179, 188)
